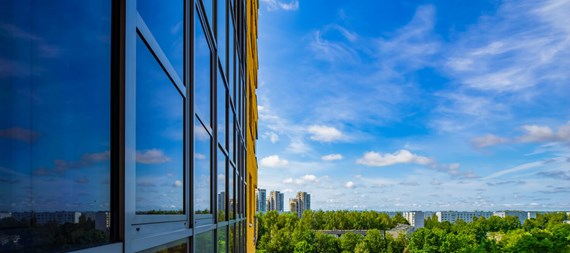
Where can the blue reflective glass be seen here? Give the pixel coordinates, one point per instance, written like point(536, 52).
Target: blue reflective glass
point(202, 66)
point(159, 138)
point(221, 186)
point(54, 124)
point(221, 112)
point(165, 20)
point(221, 34)
point(202, 169)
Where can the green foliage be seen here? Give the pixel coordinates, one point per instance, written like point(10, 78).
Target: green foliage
point(280, 233)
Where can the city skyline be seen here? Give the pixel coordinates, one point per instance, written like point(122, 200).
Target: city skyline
point(422, 105)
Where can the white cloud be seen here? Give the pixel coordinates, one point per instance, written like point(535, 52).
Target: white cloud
point(488, 140)
point(376, 159)
point(273, 161)
point(272, 5)
point(349, 184)
point(272, 136)
point(332, 157)
point(298, 146)
point(177, 183)
point(536, 133)
point(306, 179)
point(324, 133)
point(151, 156)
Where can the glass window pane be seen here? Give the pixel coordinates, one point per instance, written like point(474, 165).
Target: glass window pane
point(209, 6)
point(180, 246)
point(231, 239)
point(202, 84)
point(165, 20)
point(231, 192)
point(54, 178)
point(221, 116)
point(205, 242)
point(160, 139)
point(202, 171)
point(231, 134)
point(231, 60)
point(221, 184)
point(222, 239)
point(221, 34)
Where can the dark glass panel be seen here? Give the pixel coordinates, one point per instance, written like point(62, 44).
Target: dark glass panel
point(202, 169)
point(231, 196)
point(54, 124)
point(221, 184)
point(222, 110)
point(160, 139)
point(205, 242)
point(231, 133)
point(231, 61)
point(180, 246)
point(221, 34)
point(165, 20)
point(231, 239)
point(202, 82)
point(222, 240)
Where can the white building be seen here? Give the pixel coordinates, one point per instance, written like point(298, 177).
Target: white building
point(453, 216)
point(45, 217)
point(415, 218)
point(522, 215)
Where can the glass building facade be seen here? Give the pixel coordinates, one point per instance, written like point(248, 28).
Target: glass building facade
point(127, 125)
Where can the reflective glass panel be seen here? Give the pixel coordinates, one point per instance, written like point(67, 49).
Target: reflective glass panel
point(54, 125)
point(160, 139)
point(222, 110)
point(231, 196)
point(180, 246)
point(209, 6)
point(202, 172)
point(202, 84)
point(221, 36)
point(205, 242)
point(165, 20)
point(231, 239)
point(222, 239)
point(221, 184)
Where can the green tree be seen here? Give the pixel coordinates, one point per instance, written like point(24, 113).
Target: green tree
point(348, 241)
point(304, 247)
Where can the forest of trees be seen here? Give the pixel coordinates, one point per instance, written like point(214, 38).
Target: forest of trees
point(285, 233)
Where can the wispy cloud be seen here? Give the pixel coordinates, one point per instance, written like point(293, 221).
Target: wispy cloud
point(152, 156)
point(324, 133)
point(331, 157)
point(488, 140)
point(20, 134)
point(515, 49)
point(376, 159)
point(272, 5)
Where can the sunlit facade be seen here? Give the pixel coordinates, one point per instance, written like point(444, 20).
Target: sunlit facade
point(128, 126)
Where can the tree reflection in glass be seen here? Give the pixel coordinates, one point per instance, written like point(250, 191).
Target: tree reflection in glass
point(54, 125)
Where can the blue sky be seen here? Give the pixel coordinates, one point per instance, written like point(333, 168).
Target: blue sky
point(416, 105)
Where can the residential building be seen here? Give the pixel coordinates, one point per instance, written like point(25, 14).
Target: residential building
point(521, 215)
point(415, 218)
point(261, 200)
point(275, 201)
point(300, 203)
point(453, 216)
point(142, 115)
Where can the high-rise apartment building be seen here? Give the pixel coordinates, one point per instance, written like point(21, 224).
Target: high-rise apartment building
point(415, 218)
point(139, 115)
point(300, 203)
point(261, 200)
point(275, 201)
